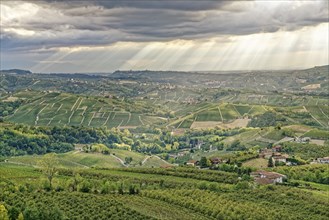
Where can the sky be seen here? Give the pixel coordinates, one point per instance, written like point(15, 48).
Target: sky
point(104, 36)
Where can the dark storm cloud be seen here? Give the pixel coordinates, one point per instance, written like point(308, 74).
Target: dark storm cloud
point(92, 23)
point(181, 5)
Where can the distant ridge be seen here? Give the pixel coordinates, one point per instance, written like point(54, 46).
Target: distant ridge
point(16, 71)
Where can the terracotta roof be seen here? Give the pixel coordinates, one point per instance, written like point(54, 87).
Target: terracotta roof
point(263, 181)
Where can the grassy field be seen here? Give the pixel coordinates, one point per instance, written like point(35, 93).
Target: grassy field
point(155, 162)
point(320, 113)
point(259, 163)
point(72, 160)
point(77, 159)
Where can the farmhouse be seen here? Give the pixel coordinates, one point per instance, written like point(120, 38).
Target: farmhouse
point(279, 158)
point(215, 160)
point(302, 140)
point(324, 160)
point(264, 177)
point(277, 148)
point(192, 163)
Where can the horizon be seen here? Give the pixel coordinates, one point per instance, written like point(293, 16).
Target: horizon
point(147, 70)
point(105, 36)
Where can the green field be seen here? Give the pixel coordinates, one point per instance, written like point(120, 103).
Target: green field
point(59, 109)
point(178, 193)
point(77, 159)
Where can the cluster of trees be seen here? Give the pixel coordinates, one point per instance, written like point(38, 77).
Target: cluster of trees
point(13, 142)
point(58, 206)
point(208, 175)
point(245, 203)
point(24, 139)
point(102, 194)
point(317, 173)
point(236, 145)
point(306, 151)
point(8, 108)
point(267, 119)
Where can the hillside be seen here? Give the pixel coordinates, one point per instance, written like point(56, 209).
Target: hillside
point(153, 194)
point(53, 108)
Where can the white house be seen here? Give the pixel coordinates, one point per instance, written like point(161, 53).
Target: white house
point(324, 160)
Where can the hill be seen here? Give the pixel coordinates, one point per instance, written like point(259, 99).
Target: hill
point(15, 71)
point(182, 193)
point(52, 108)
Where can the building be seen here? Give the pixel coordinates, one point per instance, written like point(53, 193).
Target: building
point(192, 163)
point(278, 158)
point(277, 148)
point(302, 140)
point(215, 160)
point(323, 160)
point(265, 177)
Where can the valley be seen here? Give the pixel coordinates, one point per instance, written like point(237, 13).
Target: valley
point(138, 138)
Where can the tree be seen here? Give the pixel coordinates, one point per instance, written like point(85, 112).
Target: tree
point(270, 162)
point(73, 184)
point(20, 216)
point(49, 164)
point(128, 160)
point(204, 162)
point(3, 213)
point(85, 186)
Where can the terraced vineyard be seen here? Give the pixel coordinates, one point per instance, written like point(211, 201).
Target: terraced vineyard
point(59, 109)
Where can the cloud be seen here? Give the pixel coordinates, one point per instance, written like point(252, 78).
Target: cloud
point(54, 24)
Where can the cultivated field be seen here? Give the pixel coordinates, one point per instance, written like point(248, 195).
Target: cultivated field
point(59, 109)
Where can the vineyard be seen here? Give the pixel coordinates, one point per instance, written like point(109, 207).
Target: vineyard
point(59, 109)
point(178, 193)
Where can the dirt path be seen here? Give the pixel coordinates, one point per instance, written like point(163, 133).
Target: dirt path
point(140, 119)
point(145, 159)
point(236, 110)
point(129, 117)
point(220, 113)
point(91, 119)
point(323, 112)
point(120, 124)
point(119, 159)
point(59, 108)
point(69, 121)
point(107, 119)
point(75, 103)
point(162, 159)
point(149, 157)
point(250, 109)
point(37, 117)
point(314, 117)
